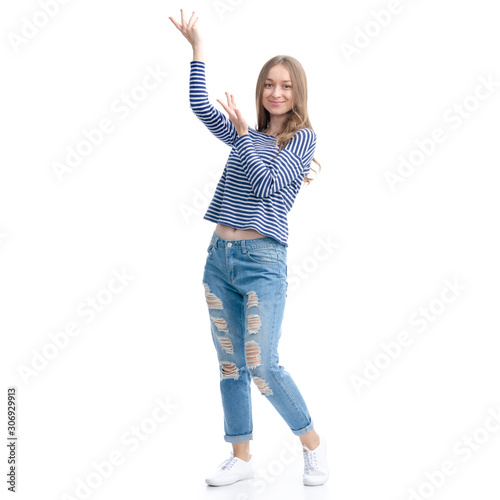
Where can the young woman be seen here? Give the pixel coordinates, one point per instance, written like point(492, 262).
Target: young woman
point(246, 266)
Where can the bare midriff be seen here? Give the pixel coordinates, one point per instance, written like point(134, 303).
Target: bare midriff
point(231, 233)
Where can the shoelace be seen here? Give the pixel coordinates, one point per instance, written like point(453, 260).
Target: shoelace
point(310, 459)
point(228, 463)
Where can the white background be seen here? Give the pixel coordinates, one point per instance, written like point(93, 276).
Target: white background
point(136, 203)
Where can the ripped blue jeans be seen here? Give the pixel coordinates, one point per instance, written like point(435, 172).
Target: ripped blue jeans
point(245, 289)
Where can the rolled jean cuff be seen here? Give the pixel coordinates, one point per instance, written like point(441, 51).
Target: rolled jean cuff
point(306, 429)
point(238, 439)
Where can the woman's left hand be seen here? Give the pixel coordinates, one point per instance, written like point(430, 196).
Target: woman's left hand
point(234, 115)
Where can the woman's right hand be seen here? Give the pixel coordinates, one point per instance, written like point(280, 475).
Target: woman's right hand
point(189, 29)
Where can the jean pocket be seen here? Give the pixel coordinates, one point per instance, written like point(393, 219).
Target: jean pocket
point(263, 255)
point(210, 250)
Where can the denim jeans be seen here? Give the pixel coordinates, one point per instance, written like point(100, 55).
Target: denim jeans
point(245, 289)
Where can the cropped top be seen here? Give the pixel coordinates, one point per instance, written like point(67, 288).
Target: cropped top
point(258, 186)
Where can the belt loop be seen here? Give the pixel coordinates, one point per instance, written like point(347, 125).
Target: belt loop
point(243, 250)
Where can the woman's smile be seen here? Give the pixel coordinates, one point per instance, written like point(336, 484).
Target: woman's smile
point(277, 95)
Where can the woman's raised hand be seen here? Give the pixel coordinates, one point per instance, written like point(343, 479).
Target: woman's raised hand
point(189, 29)
point(234, 115)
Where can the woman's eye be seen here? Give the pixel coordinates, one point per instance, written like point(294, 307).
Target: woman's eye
point(270, 84)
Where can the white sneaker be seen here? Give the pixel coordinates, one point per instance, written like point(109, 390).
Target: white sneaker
point(315, 466)
point(231, 470)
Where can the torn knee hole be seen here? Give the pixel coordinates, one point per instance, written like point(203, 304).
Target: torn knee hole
point(213, 301)
point(229, 370)
point(253, 323)
point(220, 323)
point(252, 299)
point(226, 344)
point(252, 354)
point(262, 386)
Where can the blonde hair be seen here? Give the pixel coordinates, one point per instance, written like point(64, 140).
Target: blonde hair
point(298, 117)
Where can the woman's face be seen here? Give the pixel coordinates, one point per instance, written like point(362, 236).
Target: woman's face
point(277, 96)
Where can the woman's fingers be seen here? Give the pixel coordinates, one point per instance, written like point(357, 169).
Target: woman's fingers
point(231, 102)
point(229, 108)
point(234, 114)
point(191, 21)
point(177, 25)
point(189, 28)
point(228, 101)
point(224, 106)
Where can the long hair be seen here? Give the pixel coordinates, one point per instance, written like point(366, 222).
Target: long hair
point(298, 117)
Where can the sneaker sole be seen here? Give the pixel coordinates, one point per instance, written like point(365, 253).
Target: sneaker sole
point(307, 483)
point(212, 483)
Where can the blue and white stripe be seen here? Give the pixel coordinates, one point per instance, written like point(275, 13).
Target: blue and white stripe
point(258, 186)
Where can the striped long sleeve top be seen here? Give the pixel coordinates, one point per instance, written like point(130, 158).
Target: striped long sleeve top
point(258, 186)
